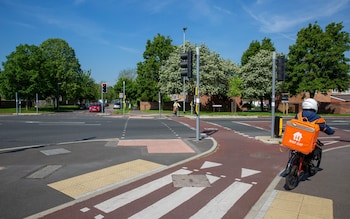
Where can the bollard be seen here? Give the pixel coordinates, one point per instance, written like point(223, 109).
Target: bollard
point(278, 126)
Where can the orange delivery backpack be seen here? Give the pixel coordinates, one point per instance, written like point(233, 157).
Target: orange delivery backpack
point(301, 135)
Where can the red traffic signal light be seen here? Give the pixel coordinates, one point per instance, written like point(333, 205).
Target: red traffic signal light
point(104, 88)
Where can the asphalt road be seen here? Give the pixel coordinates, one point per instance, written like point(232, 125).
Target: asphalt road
point(84, 142)
point(50, 129)
point(32, 147)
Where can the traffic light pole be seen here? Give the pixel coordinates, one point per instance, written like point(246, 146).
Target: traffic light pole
point(184, 78)
point(273, 94)
point(102, 105)
point(197, 96)
point(184, 93)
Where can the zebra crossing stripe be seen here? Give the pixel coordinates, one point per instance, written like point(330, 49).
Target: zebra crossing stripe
point(127, 197)
point(171, 201)
point(219, 205)
point(168, 203)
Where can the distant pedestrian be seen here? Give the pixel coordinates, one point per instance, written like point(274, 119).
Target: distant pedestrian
point(176, 107)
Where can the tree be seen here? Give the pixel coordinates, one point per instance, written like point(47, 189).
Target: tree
point(61, 67)
point(23, 73)
point(317, 61)
point(215, 73)
point(235, 85)
point(128, 77)
point(154, 56)
point(50, 69)
point(128, 73)
point(266, 44)
point(130, 88)
point(256, 77)
point(84, 87)
point(255, 47)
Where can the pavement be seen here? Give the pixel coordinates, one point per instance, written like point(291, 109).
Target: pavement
point(273, 203)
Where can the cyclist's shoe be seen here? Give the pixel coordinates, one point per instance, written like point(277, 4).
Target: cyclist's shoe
point(312, 170)
point(319, 143)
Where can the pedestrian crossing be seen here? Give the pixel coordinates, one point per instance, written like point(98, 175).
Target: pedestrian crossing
point(216, 207)
point(125, 198)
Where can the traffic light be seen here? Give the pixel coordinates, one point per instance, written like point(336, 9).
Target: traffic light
point(104, 88)
point(186, 63)
point(281, 68)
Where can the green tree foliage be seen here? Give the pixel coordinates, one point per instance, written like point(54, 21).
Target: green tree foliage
point(235, 85)
point(128, 76)
point(255, 47)
point(157, 51)
point(256, 77)
point(215, 73)
point(61, 66)
point(128, 73)
point(50, 69)
point(317, 60)
point(23, 73)
point(83, 88)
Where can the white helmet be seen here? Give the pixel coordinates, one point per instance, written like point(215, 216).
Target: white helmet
point(310, 103)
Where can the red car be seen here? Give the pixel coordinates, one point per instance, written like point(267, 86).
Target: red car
point(96, 107)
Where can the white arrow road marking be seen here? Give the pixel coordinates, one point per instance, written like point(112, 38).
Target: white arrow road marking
point(127, 197)
point(248, 172)
point(208, 164)
point(219, 205)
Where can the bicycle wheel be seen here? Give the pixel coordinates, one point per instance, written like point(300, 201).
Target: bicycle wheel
point(317, 156)
point(292, 179)
point(315, 161)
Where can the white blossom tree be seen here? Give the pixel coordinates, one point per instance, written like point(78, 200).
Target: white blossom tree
point(215, 73)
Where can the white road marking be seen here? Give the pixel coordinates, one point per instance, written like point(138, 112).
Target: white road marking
point(215, 208)
point(86, 209)
point(219, 205)
point(127, 197)
point(248, 172)
point(329, 142)
point(171, 201)
point(168, 203)
point(208, 164)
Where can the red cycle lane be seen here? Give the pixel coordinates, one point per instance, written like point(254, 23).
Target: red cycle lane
point(226, 183)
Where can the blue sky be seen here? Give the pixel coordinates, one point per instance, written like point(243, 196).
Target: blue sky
point(109, 36)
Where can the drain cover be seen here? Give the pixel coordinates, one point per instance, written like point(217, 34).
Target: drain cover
point(55, 151)
point(182, 180)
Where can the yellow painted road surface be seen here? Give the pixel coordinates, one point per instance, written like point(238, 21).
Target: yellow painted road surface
point(84, 184)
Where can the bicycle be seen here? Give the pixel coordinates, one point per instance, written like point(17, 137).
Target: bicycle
point(299, 164)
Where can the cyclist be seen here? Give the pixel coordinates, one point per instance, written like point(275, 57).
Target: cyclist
point(310, 108)
point(309, 112)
